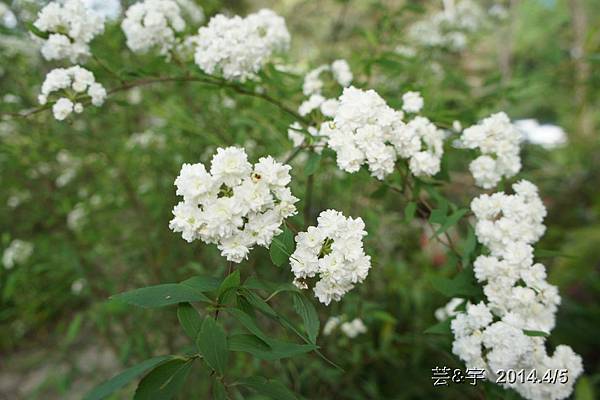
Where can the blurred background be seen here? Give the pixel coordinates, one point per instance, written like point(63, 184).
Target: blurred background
point(85, 204)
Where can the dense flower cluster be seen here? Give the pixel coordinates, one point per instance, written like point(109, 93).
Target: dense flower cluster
point(153, 24)
point(493, 335)
point(349, 328)
point(449, 27)
point(366, 130)
point(238, 47)
point(333, 252)
point(17, 252)
point(71, 83)
point(70, 26)
point(498, 140)
point(235, 205)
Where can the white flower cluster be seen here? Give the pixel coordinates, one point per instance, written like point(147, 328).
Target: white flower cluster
point(71, 26)
point(17, 252)
point(366, 130)
point(153, 24)
point(349, 328)
point(238, 47)
point(234, 205)
point(493, 335)
point(74, 83)
point(498, 140)
point(333, 252)
point(449, 27)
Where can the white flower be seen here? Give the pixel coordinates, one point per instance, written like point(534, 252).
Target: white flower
point(153, 24)
point(236, 47)
point(333, 251)
point(68, 81)
point(546, 135)
point(499, 143)
point(17, 252)
point(341, 72)
point(76, 217)
point(62, 108)
point(331, 324)
point(312, 103)
point(448, 310)
point(71, 26)
point(353, 328)
point(412, 102)
point(235, 205)
point(78, 285)
point(230, 165)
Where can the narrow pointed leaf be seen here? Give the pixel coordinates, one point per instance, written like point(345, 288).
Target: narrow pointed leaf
point(212, 343)
point(118, 381)
point(163, 382)
point(267, 387)
point(161, 295)
point(306, 310)
point(189, 319)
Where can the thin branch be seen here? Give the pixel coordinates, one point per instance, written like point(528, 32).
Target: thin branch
point(208, 80)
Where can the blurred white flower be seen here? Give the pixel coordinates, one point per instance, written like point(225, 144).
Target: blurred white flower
point(17, 252)
point(546, 135)
point(107, 9)
point(353, 328)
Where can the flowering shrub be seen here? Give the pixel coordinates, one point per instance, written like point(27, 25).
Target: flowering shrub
point(254, 133)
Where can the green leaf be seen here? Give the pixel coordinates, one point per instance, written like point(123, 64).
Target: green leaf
point(275, 350)
point(384, 316)
point(441, 328)
point(212, 343)
point(461, 285)
point(232, 281)
point(584, 390)
point(438, 216)
point(312, 164)
point(535, 333)
point(189, 319)
point(282, 247)
point(33, 29)
point(272, 389)
point(452, 220)
point(273, 287)
point(469, 246)
point(161, 295)
point(248, 323)
point(218, 390)
point(74, 328)
point(409, 211)
point(257, 302)
point(118, 381)
point(203, 283)
point(165, 381)
point(309, 316)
